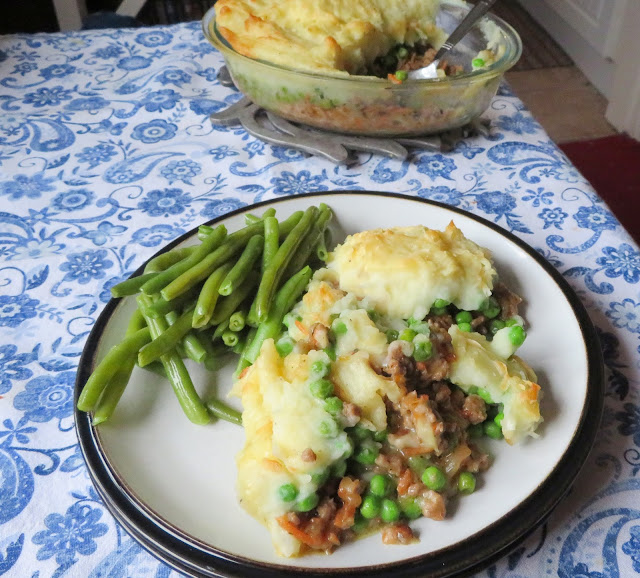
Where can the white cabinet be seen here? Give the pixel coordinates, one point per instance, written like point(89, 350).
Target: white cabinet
point(595, 20)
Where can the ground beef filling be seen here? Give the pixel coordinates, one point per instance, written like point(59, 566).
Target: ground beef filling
point(448, 409)
point(429, 399)
point(507, 300)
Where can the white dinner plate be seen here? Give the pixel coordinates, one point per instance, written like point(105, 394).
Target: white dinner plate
point(172, 483)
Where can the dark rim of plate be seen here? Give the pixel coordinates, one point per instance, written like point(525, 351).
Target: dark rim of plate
point(195, 558)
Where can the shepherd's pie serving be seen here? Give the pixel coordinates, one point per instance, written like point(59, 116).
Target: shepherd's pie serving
point(364, 414)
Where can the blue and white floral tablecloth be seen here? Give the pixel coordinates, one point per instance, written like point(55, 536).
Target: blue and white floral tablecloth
point(107, 153)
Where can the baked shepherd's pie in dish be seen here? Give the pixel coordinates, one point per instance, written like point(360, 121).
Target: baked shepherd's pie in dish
point(343, 66)
point(366, 412)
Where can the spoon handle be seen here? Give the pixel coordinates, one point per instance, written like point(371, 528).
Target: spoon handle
point(477, 12)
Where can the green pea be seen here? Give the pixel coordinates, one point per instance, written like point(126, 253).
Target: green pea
point(465, 327)
point(373, 315)
point(389, 511)
point(379, 485)
point(339, 327)
point(320, 368)
point(360, 433)
point(484, 394)
point(380, 436)
point(493, 410)
point(496, 325)
point(490, 307)
point(333, 405)
point(410, 507)
point(441, 303)
point(492, 430)
point(339, 469)
point(288, 492)
point(407, 334)
point(392, 335)
point(422, 351)
point(307, 503)
point(498, 419)
point(360, 524)
point(402, 75)
point(284, 346)
point(320, 478)
point(466, 483)
point(517, 335)
point(433, 478)
point(419, 326)
point(330, 350)
point(321, 388)
point(402, 52)
point(477, 62)
point(475, 431)
point(370, 507)
point(328, 428)
point(418, 464)
point(367, 455)
point(511, 322)
point(464, 317)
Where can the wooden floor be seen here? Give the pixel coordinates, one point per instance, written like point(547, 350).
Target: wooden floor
point(564, 102)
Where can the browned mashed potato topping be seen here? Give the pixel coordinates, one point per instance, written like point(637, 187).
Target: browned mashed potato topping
point(337, 37)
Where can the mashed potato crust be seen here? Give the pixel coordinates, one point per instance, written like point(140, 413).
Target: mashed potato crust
point(336, 37)
point(402, 271)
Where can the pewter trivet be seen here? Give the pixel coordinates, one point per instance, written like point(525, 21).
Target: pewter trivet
point(336, 147)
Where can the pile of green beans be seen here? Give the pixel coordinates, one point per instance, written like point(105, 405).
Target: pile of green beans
point(228, 294)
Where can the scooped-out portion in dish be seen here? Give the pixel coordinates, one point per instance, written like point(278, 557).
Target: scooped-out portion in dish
point(366, 412)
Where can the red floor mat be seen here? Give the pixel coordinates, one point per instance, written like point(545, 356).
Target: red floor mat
point(612, 166)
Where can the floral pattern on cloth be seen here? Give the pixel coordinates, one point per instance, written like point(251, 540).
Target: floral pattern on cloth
point(107, 154)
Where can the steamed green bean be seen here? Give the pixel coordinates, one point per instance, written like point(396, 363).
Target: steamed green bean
point(165, 340)
point(243, 265)
point(132, 285)
point(237, 321)
point(176, 371)
point(208, 297)
point(107, 368)
point(230, 338)
point(232, 245)
point(271, 241)
point(271, 277)
point(306, 248)
point(228, 305)
point(215, 287)
point(161, 306)
point(284, 300)
point(165, 260)
point(162, 279)
point(220, 329)
point(221, 410)
point(113, 391)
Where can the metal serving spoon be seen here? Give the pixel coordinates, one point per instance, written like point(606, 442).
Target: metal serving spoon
point(477, 12)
